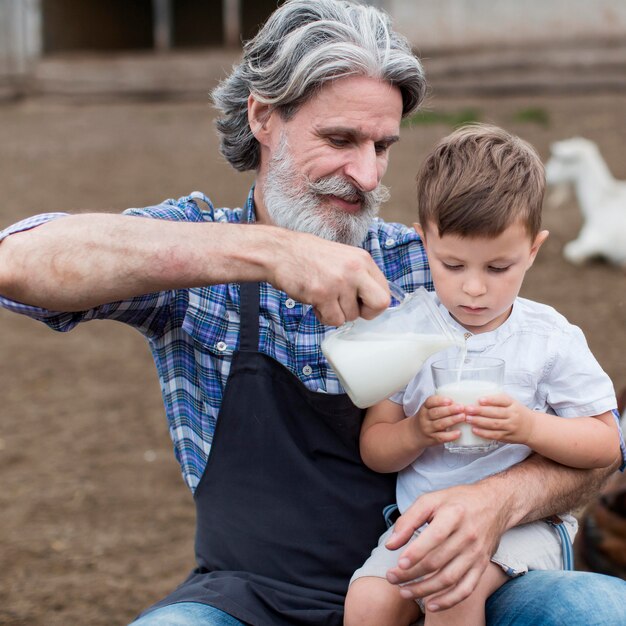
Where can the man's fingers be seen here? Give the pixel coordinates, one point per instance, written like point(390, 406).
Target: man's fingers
point(457, 593)
point(373, 296)
point(345, 307)
point(449, 584)
point(406, 525)
point(350, 305)
point(431, 551)
point(330, 314)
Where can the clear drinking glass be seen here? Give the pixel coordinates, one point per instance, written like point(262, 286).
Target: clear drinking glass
point(465, 381)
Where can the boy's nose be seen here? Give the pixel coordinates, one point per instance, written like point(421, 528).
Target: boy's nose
point(474, 286)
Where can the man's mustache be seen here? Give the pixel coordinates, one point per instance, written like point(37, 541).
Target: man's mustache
point(340, 187)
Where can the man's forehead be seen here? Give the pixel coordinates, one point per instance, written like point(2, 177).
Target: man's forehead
point(358, 104)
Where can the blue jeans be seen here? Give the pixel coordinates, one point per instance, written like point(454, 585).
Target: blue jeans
point(554, 598)
point(539, 598)
point(187, 614)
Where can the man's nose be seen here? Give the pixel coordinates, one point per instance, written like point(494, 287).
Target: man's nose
point(363, 168)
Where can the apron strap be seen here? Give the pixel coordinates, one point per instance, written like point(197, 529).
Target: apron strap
point(248, 307)
point(249, 317)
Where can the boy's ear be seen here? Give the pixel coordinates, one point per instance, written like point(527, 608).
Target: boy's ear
point(259, 115)
point(537, 243)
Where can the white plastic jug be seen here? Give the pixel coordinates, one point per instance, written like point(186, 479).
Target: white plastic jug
point(375, 358)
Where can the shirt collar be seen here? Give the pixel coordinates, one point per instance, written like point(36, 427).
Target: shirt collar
point(250, 209)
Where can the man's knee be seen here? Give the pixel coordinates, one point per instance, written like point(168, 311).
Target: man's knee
point(553, 598)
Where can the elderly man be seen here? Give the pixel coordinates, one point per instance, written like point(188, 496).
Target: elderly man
point(234, 304)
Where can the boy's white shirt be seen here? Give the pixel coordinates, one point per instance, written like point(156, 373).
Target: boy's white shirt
point(548, 367)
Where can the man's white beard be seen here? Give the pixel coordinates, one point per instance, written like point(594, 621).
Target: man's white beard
point(294, 202)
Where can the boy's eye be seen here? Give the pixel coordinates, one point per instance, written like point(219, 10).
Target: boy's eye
point(452, 267)
point(498, 270)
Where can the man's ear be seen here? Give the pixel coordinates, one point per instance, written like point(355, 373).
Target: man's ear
point(419, 230)
point(259, 115)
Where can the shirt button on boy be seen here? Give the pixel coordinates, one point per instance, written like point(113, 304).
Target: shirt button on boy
point(221, 346)
point(307, 370)
point(289, 303)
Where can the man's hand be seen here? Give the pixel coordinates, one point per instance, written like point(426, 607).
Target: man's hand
point(465, 524)
point(341, 282)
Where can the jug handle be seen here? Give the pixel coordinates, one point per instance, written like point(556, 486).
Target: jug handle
point(396, 291)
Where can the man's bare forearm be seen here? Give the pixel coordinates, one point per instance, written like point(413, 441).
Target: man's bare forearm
point(79, 261)
point(82, 261)
point(539, 487)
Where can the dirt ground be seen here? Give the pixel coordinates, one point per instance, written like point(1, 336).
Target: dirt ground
point(95, 520)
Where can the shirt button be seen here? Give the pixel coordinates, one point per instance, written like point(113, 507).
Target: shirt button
point(307, 370)
point(389, 242)
point(289, 303)
point(221, 346)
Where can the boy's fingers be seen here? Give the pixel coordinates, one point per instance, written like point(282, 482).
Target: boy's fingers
point(446, 436)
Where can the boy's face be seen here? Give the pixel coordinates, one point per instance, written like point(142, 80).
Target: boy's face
point(478, 278)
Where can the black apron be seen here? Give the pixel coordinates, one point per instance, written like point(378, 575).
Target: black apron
point(286, 510)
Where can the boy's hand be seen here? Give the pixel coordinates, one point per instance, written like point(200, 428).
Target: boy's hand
point(435, 416)
point(503, 418)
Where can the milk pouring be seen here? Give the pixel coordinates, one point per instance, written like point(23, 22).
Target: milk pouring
point(375, 358)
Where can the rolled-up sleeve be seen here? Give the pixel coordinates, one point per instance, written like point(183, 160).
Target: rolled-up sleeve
point(19, 227)
point(143, 312)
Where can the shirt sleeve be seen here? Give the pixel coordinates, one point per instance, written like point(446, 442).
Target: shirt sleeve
point(577, 385)
point(18, 227)
point(574, 383)
point(146, 312)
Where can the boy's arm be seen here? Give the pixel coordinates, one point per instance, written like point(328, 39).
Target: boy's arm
point(586, 442)
point(389, 440)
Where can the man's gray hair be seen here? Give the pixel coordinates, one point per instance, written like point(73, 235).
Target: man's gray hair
point(304, 44)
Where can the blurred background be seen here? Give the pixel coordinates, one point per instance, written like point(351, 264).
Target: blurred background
point(104, 105)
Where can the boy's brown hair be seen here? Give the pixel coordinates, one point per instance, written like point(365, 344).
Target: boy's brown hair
point(478, 181)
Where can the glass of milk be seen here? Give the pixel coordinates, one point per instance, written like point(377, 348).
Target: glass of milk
point(375, 358)
point(464, 382)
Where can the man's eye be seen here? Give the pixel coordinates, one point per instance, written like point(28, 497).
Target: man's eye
point(381, 148)
point(338, 142)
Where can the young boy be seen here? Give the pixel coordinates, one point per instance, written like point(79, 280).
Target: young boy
point(480, 194)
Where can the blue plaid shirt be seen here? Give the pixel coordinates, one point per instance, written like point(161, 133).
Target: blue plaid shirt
point(193, 332)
